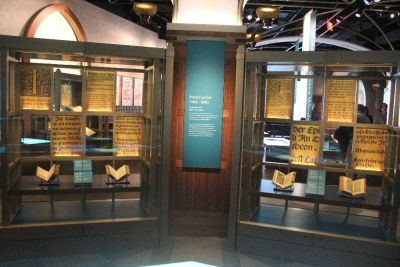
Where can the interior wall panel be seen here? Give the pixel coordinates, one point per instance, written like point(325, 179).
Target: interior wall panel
point(199, 189)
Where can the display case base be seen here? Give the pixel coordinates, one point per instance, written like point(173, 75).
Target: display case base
point(294, 238)
point(64, 211)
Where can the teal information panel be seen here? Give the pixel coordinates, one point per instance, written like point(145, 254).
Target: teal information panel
point(205, 62)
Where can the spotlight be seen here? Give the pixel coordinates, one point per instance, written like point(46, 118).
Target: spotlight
point(249, 17)
point(368, 2)
point(392, 15)
point(377, 1)
point(358, 13)
point(339, 19)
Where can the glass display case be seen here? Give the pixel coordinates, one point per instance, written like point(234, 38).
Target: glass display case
point(82, 134)
point(319, 154)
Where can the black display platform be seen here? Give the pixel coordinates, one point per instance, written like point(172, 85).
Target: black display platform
point(29, 185)
point(336, 223)
point(373, 200)
point(62, 211)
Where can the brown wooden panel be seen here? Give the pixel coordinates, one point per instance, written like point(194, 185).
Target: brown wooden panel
point(197, 189)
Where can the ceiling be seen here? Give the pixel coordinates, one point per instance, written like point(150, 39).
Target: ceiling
point(375, 29)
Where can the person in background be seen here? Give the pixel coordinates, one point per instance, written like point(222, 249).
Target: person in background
point(380, 118)
point(369, 116)
point(361, 117)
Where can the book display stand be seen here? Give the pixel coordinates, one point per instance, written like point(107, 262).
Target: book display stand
point(65, 111)
point(298, 116)
point(123, 181)
point(289, 190)
point(54, 182)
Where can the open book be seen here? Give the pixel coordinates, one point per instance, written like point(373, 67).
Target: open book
point(352, 188)
point(283, 181)
point(119, 174)
point(49, 175)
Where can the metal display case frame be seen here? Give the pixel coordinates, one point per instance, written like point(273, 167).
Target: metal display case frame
point(256, 229)
point(37, 237)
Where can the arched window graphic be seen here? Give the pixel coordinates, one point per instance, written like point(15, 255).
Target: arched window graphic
point(55, 21)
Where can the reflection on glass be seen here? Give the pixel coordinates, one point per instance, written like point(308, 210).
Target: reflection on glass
point(35, 139)
point(67, 92)
point(277, 142)
point(99, 135)
point(337, 145)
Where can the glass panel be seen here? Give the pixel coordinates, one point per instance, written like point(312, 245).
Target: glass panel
point(70, 119)
point(277, 142)
point(67, 91)
point(327, 156)
point(35, 139)
point(337, 145)
point(99, 135)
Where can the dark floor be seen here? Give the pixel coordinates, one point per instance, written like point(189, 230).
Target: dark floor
point(206, 250)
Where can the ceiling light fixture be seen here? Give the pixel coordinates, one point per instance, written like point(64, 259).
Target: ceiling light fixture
point(145, 11)
point(267, 14)
point(358, 13)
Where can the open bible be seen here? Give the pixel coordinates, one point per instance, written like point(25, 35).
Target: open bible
point(352, 188)
point(283, 181)
point(119, 174)
point(49, 175)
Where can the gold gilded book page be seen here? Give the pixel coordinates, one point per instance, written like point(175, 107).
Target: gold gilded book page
point(128, 135)
point(359, 187)
point(66, 135)
point(305, 144)
point(278, 178)
point(340, 100)
point(100, 91)
point(42, 173)
point(35, 87)
point(369, 149)
point(346, 184)
point(117, 174)
point(279, 98)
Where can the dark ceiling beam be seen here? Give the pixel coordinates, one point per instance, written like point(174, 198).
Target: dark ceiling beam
point(290, 20)
point(300, 3)
point(379, 29)
point(322, 25)
point(361, 36)
point(295, 21)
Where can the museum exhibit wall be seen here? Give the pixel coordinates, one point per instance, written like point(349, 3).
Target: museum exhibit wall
point(99, 25)
point(192, 189)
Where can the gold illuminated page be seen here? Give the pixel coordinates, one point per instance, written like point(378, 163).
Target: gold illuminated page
point(340, 100)
point(128, 135)
point(305, 144)
point(35, 87)
point(279, 97)
point(369, 149)
point(66, 136)
point(352, 187)
point(100, 91)
point(283, 181)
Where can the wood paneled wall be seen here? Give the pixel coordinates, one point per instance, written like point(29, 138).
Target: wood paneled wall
point(199, 189)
